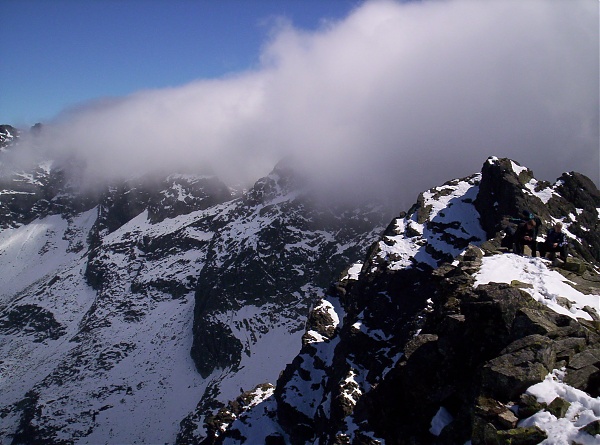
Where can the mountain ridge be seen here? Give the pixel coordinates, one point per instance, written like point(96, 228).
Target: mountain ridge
point(97, 305)
point(105, 296)
point(415, 350)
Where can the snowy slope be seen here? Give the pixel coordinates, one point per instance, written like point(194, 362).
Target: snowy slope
point(135, 315)
point(444, 224)
point(108, 372)
point(98, 308)
point(545, 285)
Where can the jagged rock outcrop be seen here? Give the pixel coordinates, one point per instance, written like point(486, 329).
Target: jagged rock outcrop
point(508, 189)
point(478, 346)
point(414, 350)
point(8, 136)
point(283, 254)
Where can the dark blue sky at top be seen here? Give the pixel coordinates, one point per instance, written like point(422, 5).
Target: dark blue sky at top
point(55, 54)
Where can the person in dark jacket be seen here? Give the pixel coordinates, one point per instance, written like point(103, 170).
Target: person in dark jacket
point(556, 241)
point(525, 236)
point(509, 239)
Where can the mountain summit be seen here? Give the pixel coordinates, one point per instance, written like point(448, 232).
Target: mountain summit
point(441, 336)
point(173, 309)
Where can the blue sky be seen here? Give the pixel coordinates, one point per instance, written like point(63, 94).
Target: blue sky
point(58, 53)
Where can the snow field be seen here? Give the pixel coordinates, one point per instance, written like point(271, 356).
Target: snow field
point(546, 285)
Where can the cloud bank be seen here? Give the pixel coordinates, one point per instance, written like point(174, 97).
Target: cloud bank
point(397, 97)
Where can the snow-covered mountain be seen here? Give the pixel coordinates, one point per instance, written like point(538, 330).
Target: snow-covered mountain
point(8, 135)
point(176, 310)
point(127, 311)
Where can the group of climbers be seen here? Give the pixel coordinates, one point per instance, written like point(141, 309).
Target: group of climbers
point(526, 235)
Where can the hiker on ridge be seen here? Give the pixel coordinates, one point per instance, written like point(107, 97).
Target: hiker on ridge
point(556, 241)
point(509, 240)
point(525, 236)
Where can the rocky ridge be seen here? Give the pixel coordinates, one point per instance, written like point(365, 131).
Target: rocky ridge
point(414, 347)
point(8, 135)
point(104, 296)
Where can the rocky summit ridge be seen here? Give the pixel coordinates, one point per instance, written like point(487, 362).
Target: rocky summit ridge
point(172, 309)
point(419, 345)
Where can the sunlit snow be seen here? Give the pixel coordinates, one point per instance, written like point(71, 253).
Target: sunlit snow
point(546, 285)
point(584, 409)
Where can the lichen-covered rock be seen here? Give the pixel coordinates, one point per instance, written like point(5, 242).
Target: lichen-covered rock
point(592, 428)
point(529, 405)
point(558, 407)
point(523, 363)
point(521, 436)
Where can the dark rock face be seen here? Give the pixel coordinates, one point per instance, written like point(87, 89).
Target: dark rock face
point(502, 194)
point(32, 320)
point(282, 244)
point(183, 194)
point(477, 351)
point(582, 199)
point(574, 199)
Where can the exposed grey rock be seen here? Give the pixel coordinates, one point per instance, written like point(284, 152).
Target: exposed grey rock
point(487, 344)
point(592, 428)
point(521, 436)
point(414, 334)
point(558, 407)
point(29, 319)
point(528, 406)
point(522, 364)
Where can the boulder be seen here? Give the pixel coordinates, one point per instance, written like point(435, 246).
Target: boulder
point(558, 407)
point(528, 406)
point(592, 428)
point(523, 363)
point(521, 436)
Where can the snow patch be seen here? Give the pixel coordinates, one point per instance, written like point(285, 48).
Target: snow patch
point(584, 409)
point(517, 168)
point(544, 194)
point(546, 285)
point(354, 272)
point(440, 421)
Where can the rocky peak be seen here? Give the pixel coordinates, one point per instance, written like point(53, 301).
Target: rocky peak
point(110, 295)
point(8, 136)
point(415, 346)
point(284, 179)
point(507, 190)
point(502, 193)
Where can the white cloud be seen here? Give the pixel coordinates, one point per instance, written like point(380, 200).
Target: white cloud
point(398, 96)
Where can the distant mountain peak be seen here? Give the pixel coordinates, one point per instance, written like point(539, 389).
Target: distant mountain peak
point(8, 136)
